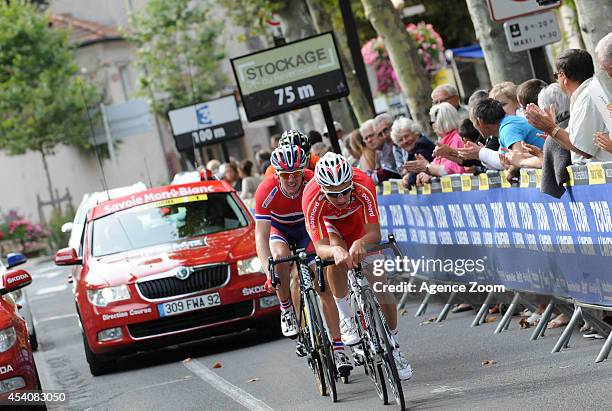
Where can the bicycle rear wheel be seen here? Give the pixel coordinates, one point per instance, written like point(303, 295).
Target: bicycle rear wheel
point(388, 362)
point(324, 346)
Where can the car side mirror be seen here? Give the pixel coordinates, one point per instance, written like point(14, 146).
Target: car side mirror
point(13, 280)
point(67, 256)
point(15, 259)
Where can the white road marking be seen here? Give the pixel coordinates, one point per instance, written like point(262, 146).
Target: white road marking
point(50, 290)
point(56, 317)
point(220, 384)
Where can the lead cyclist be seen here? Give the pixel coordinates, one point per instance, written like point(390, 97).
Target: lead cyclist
point(342, 219)
point(279, 224)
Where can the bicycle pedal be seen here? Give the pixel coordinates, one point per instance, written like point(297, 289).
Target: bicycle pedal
point(358, 359)
point(345, 371)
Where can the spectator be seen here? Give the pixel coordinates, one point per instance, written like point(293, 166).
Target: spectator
point(505, 93)
point(446, 120)
point(274, 139)
point(447, 93)
point(476, 97)
point(353, 156)
point(368, 134)
point(366, 156)
point(213, 165)
point(314, 137)
point(528, 91)
point(385, 160)
point(409, 142)
point(262, 157)
point(229, 173)
point(339, 131)
point(604, 58)
point(574, 74)
point(319, 149)
point(249, 181)
point(468, 132)
point(491, 119)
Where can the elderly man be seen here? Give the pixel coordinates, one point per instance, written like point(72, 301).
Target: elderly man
point(380, 141)
point(447, 93)
point(574, 73)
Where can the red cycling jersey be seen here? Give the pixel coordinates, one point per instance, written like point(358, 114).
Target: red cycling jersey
point(322, 217)
point(272, 205)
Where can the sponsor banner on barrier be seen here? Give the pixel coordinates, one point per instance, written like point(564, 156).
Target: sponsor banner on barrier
point(533, 242)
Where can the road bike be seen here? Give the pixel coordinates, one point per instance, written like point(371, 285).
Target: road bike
point(375, 351)
point(312, 334)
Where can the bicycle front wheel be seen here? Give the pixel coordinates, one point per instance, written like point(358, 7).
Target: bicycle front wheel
point(324, 346)
point(314, 358)
point(388, 362)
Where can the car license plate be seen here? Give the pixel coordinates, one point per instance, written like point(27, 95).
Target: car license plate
point(188, 304)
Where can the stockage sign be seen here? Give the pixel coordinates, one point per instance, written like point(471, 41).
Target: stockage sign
point(290, 76)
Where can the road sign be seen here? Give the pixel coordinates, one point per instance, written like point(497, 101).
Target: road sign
point(206, 123)
point(501, 10)
point(290, 76)
point(532, 31)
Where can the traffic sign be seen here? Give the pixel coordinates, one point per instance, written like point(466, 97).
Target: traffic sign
point(532, 31)
point(206, 123)
point(290, 76)
point(502, 10)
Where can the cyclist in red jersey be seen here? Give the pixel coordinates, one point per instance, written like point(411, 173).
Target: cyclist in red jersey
point(279, 224)
point(342, 218)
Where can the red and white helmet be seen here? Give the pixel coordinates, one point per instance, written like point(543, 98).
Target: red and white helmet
point(333, 170)
point(288, 157)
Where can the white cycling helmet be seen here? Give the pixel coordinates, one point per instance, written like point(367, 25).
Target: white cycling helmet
point(333, 170)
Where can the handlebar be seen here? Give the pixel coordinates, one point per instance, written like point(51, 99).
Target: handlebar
point(392, 244)
point(298, 255)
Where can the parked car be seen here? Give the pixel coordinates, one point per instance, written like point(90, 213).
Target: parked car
point(17, 368)
point(164, 266)
point(20, 296)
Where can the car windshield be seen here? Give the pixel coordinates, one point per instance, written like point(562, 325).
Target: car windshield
point(165, 222)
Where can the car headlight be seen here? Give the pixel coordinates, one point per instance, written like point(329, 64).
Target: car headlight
point(8, 336)
point(101, 297)
point(252, 265)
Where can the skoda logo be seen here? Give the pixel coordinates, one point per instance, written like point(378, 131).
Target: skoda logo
point(182, 273)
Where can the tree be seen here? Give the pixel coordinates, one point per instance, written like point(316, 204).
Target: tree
point(178, 52)
point(502, 64)
point(594, 19)
point(42, 102)
point(404, 57)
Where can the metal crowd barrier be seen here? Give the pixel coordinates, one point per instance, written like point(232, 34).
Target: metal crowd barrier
point(534, 244)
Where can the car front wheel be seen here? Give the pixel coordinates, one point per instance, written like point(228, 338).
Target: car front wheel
point(98, 365)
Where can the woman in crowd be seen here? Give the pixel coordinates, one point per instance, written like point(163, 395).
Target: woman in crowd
point(445, 120)
point(366, 156)
point(410, 142)
point(249, 181)
point(505, 93)
point(229, 173)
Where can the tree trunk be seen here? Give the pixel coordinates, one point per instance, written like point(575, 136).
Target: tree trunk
point(594, 20)
point(48, 175)
point(404, 57)
point(323, 22)
point(502, 64)
point(571, 39)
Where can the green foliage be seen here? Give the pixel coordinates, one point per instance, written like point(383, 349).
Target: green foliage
point(178, 52)
point(41, 100)
point(57, 239)
point(251, 14)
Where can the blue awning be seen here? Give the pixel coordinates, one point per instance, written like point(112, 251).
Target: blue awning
point(470, 52)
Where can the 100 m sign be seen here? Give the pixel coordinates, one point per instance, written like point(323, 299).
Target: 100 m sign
point(287, 95)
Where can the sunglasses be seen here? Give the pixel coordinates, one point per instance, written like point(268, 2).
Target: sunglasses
point(442, 100)
point(286, 175)
point(336, 194)
point(556, 74)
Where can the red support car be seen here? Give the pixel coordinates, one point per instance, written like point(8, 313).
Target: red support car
point(167, 265)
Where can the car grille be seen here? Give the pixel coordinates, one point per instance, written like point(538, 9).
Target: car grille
point(194, 319)
point(201, 279)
